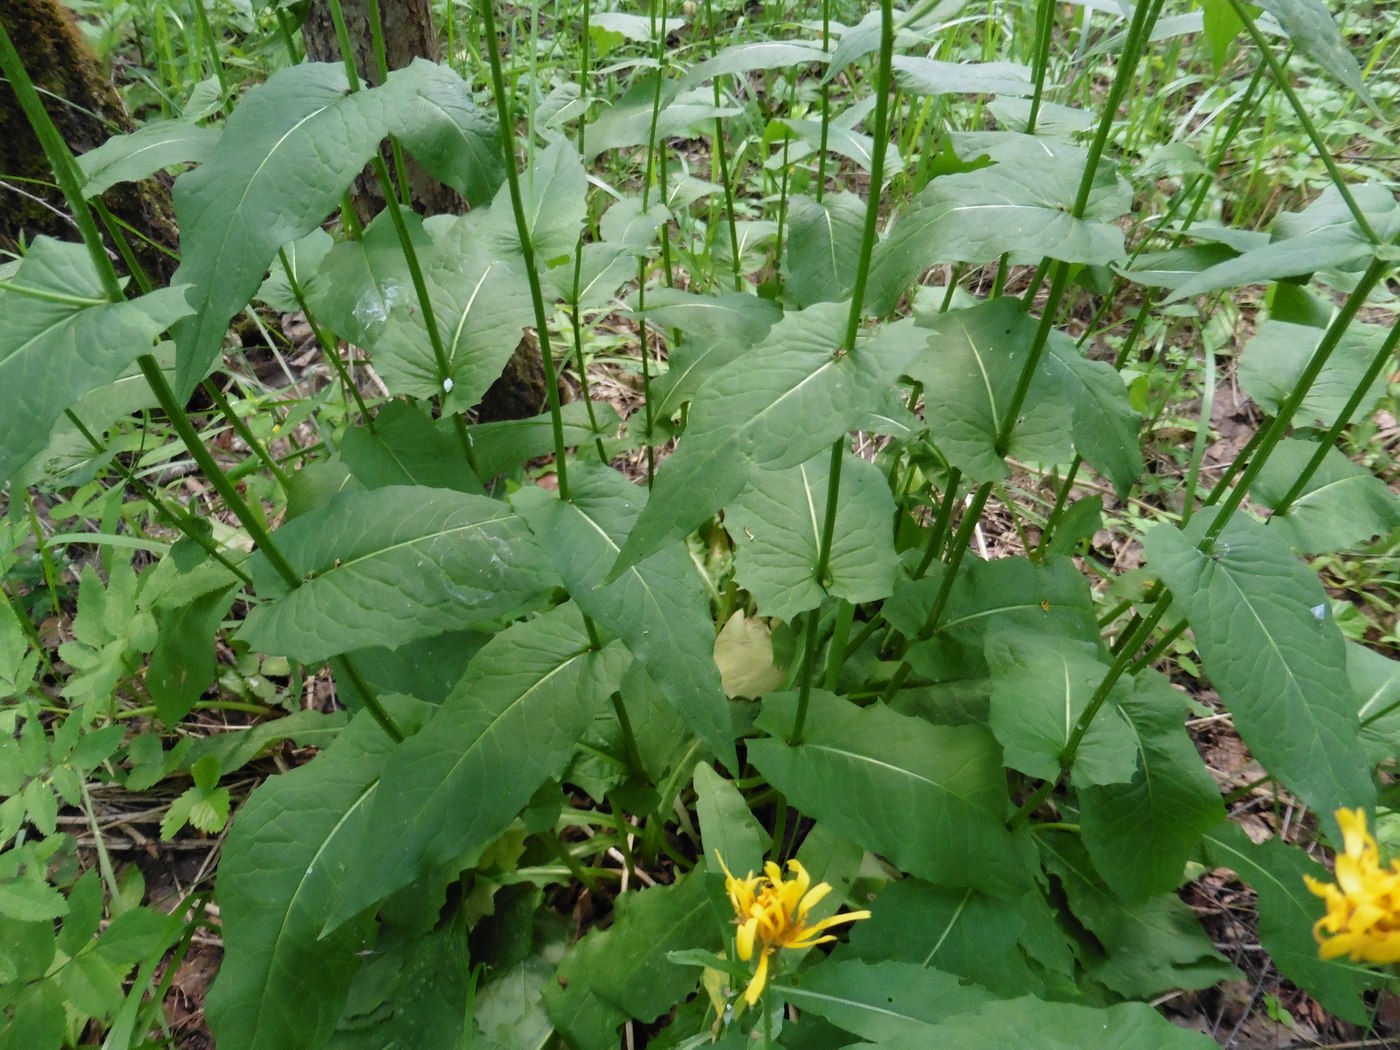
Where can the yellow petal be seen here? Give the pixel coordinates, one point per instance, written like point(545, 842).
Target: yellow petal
point(760, 979)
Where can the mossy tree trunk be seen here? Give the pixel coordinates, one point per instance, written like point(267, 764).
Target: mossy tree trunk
point(87, 111)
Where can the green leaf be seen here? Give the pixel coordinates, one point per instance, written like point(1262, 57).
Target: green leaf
point(553, 195)
point(1270, 647)
point(1102, 423)
point(1041, 684)
point(509, 443)
point(359, 282)
point(405, 448)
point(804, 397)
point(509, 726)
point(882, 1000)
point(390, 565)
point(1147, 948)
point(293, 848)
point(304, 256)
point(1375, 681)
point(1273, 361)
point(623, 972)
point(823, 247)
point(139, 155)
point(777, 524)
point(64, 341)
point(969, 369)
point(1309, 25)
point(1023, 203)
point(288, 151)
point(931, 798)
point(182, 663)
point(1323, 236)
point(927, 76)
point(628, 121)
point(1033, 1024)
point(1341, 506)
point(658, 607)
point(728, 833)
point(1141, 835)
point(981, 938)
point(481, 304)
point(767, 54)
point(455, 140)
point(1287, 912)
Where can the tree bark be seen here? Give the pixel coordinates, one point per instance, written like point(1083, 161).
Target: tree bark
point(87, 111)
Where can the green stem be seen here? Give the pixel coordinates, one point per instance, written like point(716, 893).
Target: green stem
point(1301, 112)
point(1277, 426)
point(527, 247)
point(1329, 440)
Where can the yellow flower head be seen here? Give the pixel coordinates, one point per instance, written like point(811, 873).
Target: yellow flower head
point(771, 913)
point(1363, 908)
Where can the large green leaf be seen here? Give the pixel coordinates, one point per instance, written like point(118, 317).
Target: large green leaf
point(1033, 1024)
point(728, 832)
point(481, 304)
point(552, 195)
point(406, 448)
point(791, 399)
point(1311, 28)
point(386, 566)
point(1041, 684)
point(61, 340)
point(629, 122)
point(981, 938)
point(455, 140)
point(1141, 835)
point(286, 155)
point(294, 846)
point(1322, 236)
point(1102, 422)
point(1273, 361)
point(658, 607)
point(969, 369)
point(767, 54)
point(931, 798)
point(777, 525)
point(510, 443)
point(823, 247)
point(139, 155)
point(622, 972)
point(508, 726)
point(1287, 912)
point(1023, 203)
point(1273, 652)
point(1341, 506)
point(1139, 950)
point(1375, 681)
point(927, 76)
point(359, 282)
point(713, 330)
point(881, 1000)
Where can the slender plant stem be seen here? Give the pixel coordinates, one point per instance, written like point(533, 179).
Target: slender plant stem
point(527, 247)
point(1305, 119)
point(1328, 440)
point(883, 81)
point(1279, 425)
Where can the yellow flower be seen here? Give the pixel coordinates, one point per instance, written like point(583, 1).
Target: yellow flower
point(772, 913)
point(1363, 908)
